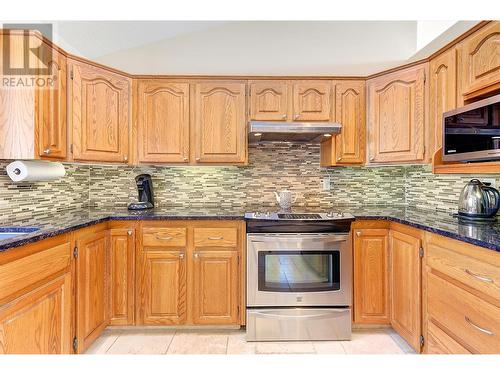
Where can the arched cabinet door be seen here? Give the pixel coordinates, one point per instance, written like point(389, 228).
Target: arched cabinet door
point(312, 101)
point(220, 122)
point(100, 114)
point(268, 100)
point(162, 122)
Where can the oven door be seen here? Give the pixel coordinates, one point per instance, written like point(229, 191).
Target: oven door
point(298, 270)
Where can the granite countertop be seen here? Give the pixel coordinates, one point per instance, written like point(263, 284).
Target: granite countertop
point(485, 235)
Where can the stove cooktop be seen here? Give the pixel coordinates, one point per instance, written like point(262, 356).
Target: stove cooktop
point(280, 216)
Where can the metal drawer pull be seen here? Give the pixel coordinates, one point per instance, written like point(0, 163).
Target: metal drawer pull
point(215, 238)
point(479, 277)
point(478, 328)
point(167, 238)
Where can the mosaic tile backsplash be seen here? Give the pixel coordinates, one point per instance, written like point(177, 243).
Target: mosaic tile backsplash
point(271, 167)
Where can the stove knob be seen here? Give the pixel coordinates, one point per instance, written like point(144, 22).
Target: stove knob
point(268, 214)
point(329, 214)
point(340, 214)
point(256, 214)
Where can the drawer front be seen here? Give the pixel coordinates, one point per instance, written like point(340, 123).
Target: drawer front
point(158, 236)
point(438, 342)
point(474, 322)
point(218, 237)
point(23, 272)
point(476, 273)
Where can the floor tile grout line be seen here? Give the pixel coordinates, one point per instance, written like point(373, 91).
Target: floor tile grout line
point(171, 341)
point(113, 343)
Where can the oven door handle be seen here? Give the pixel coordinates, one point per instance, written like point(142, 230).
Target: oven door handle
point(309, 316)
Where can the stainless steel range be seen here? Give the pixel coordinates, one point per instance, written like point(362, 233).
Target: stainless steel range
point(299, 276)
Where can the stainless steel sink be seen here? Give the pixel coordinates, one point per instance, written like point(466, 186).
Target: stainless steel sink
point(10, 232)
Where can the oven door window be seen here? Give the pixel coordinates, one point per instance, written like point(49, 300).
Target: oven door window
point(299, 271)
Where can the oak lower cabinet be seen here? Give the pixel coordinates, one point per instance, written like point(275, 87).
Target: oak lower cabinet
point(100, 106)
point(405, 279)
point(36, 299)
point(371, 275)
point(122, 274)
point(220, 128)
point(92, 285)
point(397, 116)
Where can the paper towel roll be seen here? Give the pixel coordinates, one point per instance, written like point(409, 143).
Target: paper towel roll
point(35, 170)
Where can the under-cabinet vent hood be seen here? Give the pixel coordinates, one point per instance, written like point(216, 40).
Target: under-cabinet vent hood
point(293, 132)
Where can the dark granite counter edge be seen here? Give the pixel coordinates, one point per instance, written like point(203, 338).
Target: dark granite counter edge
point(52, 233)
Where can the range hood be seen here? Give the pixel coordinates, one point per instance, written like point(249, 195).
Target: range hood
point(293, 132)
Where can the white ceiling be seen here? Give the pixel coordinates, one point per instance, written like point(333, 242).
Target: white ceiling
point(342, 48)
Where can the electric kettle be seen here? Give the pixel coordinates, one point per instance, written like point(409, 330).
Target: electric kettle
point(478, 201)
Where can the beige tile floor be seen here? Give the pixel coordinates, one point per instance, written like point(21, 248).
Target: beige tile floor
point(179, 341)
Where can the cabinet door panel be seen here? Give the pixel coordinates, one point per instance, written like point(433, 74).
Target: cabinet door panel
point(443, 92)
point(371, 276)
point(268, 100)
point(312, 101)
point(163, 122)
point(406, 287)
point(122, 247)
point(38, 322)
point(92, 288)
point(100, 114)
point(220, 122)
point(50, 108)
point(164, 286)
point(397, 116)
point(216, 287)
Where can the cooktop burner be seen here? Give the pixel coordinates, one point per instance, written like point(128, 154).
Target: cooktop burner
point(299, 216)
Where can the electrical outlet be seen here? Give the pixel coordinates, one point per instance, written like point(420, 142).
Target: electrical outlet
point(491, 181)
point(327, 183)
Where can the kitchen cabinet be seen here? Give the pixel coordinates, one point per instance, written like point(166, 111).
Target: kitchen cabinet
point(35, 299)
point(122, 275)
point(312, 100)
point(371, 276)
point(269, 100)
point(220, 122)
point(162, 121)
point(92, 285)
point(479, 62)
point(397, 116)
point(100, 106)
point(348, 147)
point(405, 279)
point(442, 92)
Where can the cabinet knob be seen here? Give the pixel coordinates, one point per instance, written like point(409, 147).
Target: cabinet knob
point(339, 159)
point(181, 255)
point(284, 117)
point(296, 116)
point(198, 159)
point(46, 151)
point(125, 158)
point(185, 159)
point(195, 255)
point(372, 158)
point(129, 232)
point(358, 233)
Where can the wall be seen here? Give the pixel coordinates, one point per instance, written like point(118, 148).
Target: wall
point(272, 167)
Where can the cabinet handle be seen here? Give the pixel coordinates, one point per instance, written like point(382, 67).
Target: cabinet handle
point(46, 151)
point(467, 319)
point(215, 238)
point(129, 232)
point(479, 277)
point(166, 238)
point(358, 233)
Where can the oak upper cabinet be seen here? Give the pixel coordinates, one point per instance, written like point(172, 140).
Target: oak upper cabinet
point(50, 107)
point(162, 121)
point(348, 147)
point(269, 100)
point(36, 299)
point(397, 116)
point(220, 134)
point(371, 276)
point(479, 61)
point(442, 93)
point(121, 275)
point(312, 100)
point(405, 276)
point(100, 101)
point(92, 286)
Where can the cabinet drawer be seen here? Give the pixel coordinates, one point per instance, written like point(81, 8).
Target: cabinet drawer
point(219, 237)
point(476, 273)
point(164, 236)
point(474, 322)
point(438, 342)
point(21, 273)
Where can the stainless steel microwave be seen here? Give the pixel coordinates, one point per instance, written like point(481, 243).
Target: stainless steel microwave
point(472, 133)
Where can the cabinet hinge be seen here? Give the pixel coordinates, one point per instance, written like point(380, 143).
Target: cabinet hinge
point(422, 340)
point(421, 252)
point(71, 148)
point(425, 77)
point(71, 74)
point(238, 310)
point(75, 344)
point(75, 252)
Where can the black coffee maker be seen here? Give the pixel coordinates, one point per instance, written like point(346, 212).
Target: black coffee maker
point(145, 190)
